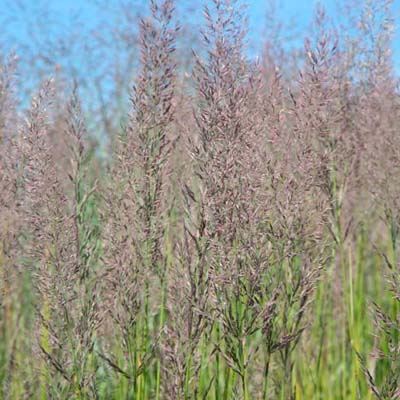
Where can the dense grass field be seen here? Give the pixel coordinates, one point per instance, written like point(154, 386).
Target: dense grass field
point(239, 237)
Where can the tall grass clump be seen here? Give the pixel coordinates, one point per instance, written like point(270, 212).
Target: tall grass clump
point(12, 308)
point(234, 235)
point(136, 242)
point(59, 251)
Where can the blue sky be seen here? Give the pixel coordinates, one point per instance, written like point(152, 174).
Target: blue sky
point(96, 69)
point(18, 17)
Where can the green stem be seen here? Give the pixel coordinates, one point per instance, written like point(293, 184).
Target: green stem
point(217, 365)
point(162, 316)
point(266, 373)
